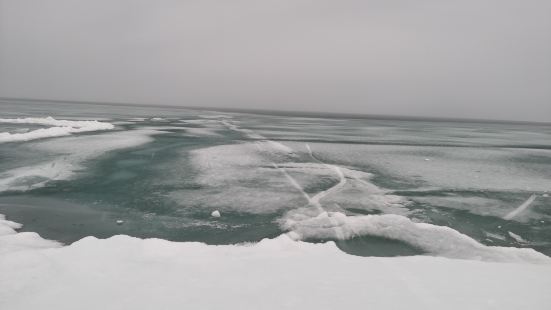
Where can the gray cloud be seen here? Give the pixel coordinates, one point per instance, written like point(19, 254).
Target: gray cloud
point(484, 58)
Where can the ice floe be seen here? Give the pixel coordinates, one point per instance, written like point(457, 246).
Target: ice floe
point(215, 213)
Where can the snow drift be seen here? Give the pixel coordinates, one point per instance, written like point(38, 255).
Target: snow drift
point(130, 273)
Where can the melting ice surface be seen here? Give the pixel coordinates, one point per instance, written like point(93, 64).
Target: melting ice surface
point(313, 186)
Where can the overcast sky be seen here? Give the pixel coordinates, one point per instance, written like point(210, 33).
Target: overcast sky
point(464, 58)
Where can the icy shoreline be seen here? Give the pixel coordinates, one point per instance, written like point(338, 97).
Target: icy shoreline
point(123, 272)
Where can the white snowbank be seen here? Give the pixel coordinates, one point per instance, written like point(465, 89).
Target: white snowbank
point(130, 273)
point(436, 240)
point(60, 128)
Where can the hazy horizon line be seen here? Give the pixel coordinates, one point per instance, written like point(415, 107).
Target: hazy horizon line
point(283, 112)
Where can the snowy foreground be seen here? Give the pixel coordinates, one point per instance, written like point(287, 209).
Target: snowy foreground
point(130, 273)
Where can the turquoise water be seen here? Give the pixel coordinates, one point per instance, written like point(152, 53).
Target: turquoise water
point(164, 174)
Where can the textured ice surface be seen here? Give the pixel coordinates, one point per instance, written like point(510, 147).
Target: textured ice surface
point(263, 177)
point(201, 131)
point(398, 132)
point(68, 156)
point(450, 167)
point(481, 206)
point(241, 178)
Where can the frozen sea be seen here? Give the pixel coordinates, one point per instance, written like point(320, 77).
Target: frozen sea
point(136, 207)
point(162, 171)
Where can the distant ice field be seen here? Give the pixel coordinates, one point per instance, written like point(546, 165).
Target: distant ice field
point(374, 187)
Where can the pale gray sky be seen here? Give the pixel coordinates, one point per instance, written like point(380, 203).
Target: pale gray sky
point(468, 58)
